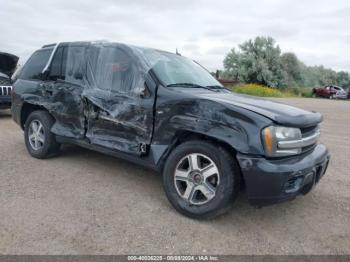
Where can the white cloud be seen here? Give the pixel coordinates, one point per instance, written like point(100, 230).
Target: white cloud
point(204, 30)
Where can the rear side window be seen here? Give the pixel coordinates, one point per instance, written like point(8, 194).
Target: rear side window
point(35, 65)
point(58, 65)
point(74, 64)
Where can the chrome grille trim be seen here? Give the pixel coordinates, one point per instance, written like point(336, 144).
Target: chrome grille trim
point(5, 90)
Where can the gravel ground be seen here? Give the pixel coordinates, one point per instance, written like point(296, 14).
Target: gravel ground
point(83, 202)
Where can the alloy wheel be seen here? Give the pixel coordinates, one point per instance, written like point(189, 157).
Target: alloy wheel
point(36, 135)
point(196, 178)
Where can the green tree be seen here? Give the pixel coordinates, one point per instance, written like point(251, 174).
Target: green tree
point(343, 79)
point(256, 61)
point(292, 69)
point(260, 61)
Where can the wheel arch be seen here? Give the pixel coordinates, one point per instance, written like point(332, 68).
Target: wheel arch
point(182, 136)
point(27, 109)
point(186, 135)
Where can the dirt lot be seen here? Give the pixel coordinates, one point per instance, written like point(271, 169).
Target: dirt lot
point(84, 202)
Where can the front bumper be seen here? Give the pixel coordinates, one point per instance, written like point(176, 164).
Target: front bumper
point(341, 96)
point(5, 102)
point(270, 181)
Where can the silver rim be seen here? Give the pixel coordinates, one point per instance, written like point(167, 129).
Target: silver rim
point(36, 135)
point(196, 178)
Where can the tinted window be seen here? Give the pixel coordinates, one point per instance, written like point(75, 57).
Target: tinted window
point(64, 62)
point(56, 65)
point(35, 65)
point(75, 65)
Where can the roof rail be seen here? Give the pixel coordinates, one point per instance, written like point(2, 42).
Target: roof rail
point(50, 45)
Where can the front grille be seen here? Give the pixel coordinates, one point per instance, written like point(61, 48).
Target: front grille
point(307, 148)
point(5, 90)
point(308, 131)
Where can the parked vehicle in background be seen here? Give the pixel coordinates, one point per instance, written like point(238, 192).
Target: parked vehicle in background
point(331, 92)
point(166, 112)
point(8, 63)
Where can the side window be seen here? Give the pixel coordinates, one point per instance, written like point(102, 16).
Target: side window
point(124, 73)
point(115, 71)
point(56, 65)
point(64, 62)
point(93, 53)
point(75, 66)
point(33, 68)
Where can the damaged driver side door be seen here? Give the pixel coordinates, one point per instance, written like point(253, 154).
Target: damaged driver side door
point(63, 89)
point(121, 100)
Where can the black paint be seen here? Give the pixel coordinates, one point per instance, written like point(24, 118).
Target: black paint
point(155, 118)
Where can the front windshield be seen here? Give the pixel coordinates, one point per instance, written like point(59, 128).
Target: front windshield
point(172, 69)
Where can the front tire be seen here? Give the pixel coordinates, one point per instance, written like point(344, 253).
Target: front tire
point(39, 140)
point(200, 179)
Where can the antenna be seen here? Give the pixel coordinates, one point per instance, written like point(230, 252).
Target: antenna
point(177, 52)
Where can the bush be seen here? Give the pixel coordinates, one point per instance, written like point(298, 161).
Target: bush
point(260, 90)
point(306, 92)
point(301, 91)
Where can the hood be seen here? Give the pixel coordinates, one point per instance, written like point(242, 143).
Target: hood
point(280, 113)
point(8, 63)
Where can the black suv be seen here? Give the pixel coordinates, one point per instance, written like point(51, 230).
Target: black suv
point(8, 63)
point(166, 112)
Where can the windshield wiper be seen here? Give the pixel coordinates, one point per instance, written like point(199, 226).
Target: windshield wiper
point(216, 87)
point(192, 85)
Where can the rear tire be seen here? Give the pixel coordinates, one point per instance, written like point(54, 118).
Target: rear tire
point(216, 186)
point(39, 140)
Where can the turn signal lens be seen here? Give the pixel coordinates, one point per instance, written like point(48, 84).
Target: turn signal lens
point(268, 140)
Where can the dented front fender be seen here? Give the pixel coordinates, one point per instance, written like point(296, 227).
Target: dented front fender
point(237, 127)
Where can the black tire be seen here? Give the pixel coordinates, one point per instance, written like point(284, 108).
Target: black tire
point(50, 147)
point(226, 191)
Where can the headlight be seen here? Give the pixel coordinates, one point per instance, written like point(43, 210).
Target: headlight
point(275, 136)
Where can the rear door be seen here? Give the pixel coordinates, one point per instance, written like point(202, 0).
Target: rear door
point(63, 89)
point(122, 100)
